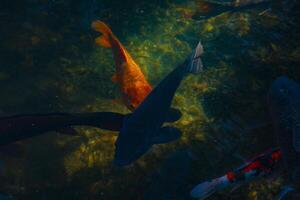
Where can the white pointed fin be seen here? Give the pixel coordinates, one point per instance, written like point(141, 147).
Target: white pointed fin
point(196, 64)
point(205, 189)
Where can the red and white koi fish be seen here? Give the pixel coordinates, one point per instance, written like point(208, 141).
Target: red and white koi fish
point(262, 165)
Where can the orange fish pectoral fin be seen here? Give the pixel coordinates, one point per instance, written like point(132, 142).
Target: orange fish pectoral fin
point(103, 41)
point(101, 27)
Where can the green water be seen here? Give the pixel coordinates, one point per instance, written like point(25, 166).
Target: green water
point(49, 63)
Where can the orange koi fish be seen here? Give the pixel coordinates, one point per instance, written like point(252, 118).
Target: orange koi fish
point(129, 77)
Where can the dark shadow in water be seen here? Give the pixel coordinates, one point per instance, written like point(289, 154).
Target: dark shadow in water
point(171, 180)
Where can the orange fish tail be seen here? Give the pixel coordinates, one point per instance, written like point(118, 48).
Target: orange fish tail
point(107, 34)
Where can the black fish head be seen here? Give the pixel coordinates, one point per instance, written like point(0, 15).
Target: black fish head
point(130, 146)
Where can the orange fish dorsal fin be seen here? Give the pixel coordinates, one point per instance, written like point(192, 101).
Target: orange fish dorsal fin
point(101, 27)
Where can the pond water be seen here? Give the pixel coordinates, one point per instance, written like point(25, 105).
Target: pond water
point(49, 63)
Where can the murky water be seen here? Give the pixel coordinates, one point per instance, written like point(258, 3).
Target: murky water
point(49, 63)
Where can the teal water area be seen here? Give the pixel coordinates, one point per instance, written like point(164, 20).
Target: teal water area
point(49, 63)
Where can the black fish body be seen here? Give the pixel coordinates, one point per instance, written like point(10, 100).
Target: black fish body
point(233, 7)
point(143, 127)
point(284, 101)
point(19, 127)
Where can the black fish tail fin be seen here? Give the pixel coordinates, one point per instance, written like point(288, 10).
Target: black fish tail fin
point(167, 134)
point(196, 66)
point(173, 115)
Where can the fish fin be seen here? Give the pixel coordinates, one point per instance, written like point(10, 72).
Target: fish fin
point(167, 134)
point(68, 131)
point(195, 66)
point(103, 41)
point(173, 115)
point(284, 191)
point(207, 188)
point(101, 27)
point(114, 78)
point(296, 138)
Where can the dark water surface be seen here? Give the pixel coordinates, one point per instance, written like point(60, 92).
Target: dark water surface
point(49, 63)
